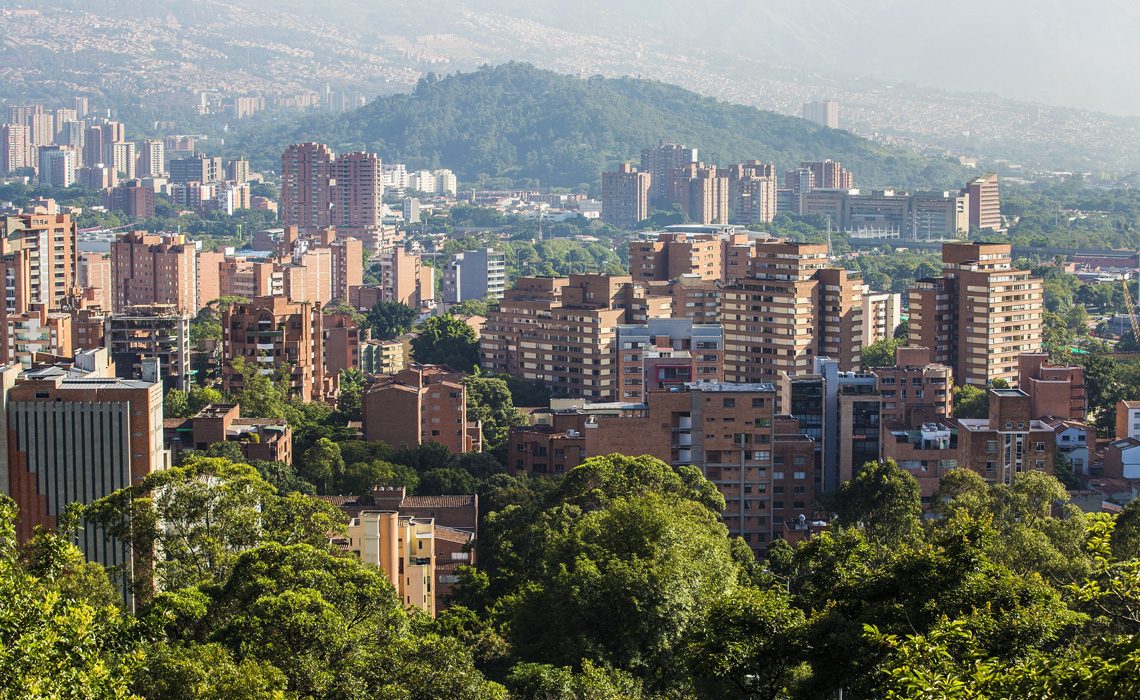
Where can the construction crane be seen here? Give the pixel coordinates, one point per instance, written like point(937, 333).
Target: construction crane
point(1131, 311)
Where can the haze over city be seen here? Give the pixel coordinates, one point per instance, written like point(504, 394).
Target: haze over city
point(508, 350)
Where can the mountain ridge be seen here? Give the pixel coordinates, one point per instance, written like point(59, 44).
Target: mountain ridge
point(539, 127)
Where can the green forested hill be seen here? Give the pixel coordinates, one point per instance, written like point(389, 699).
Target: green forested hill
point(536, 126)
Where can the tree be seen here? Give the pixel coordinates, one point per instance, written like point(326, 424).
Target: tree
point(55, 641)
point(361, 477)
point(176, 404)
point(902, 331)
point(348, 402)
point(323, 464)
point(200, 516)
point(473, 307)
point(332, 625)
point(880, 353)
point(424, 457)
point(260, 396)
point(970, 402)
point(191, 671)
point(489, 401)
point(1125, 538)
point(750, 645)
point(389, 319)
point(884, 500)
point(445, 340)
point(438, 482)
point(1063, 470)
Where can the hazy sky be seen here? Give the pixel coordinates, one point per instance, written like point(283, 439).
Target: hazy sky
point(1081, 53)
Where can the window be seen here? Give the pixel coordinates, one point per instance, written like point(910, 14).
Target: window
point(1040, 447)
point(730, 403)
point(777, 476)
point(799, 476)
point(757, 403)
point(991, 446)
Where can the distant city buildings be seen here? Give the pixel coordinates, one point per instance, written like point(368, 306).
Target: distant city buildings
point(822, 112)
point(625, 196)
point(984, 203)
point(321, 190)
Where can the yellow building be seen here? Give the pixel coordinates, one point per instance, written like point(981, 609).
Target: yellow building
point(404, 547)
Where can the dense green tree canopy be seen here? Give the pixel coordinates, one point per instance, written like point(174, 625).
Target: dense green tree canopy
point(388, 319)
point(445, 340)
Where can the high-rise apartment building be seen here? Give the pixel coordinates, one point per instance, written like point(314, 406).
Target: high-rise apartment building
point(984, 202)
point(761, 463)
point(752, 193)
point(980, 315)
point(37, 330)
point(882, 313)
point(320, 190)
point(37, 259)
point(341, 343)
point(829, 175)
point(666, 353)
point(131, 198)
point(197, 168)
point(56, 166)
point(915, 390)
point(659, 162)
point(822, 112)
point(1008, 442)
point(276, 334)
point(625, 196)
point(139, 335)
point(423, 403)
point(123, 158)
point(14, 147)
point(475, 274)
point(841, 411)
point(701, 191)
point(1055, 391)
point(152, 159)
point(671, 255)
point(793, 308)
point(405, 278)
point(563, 331)
point(94, 272)
point(75, 440)
point(154, 269)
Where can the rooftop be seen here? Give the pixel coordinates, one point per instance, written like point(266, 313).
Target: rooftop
point(438, 502)
point(730, 387)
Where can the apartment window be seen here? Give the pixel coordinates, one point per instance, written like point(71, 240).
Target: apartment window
point(799, 476)
point(730, 403)
point(1039, 447)
point(991, 446)
point(757, 403)
point(777, 476)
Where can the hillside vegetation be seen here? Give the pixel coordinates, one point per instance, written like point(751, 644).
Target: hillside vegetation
point(538, 127)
